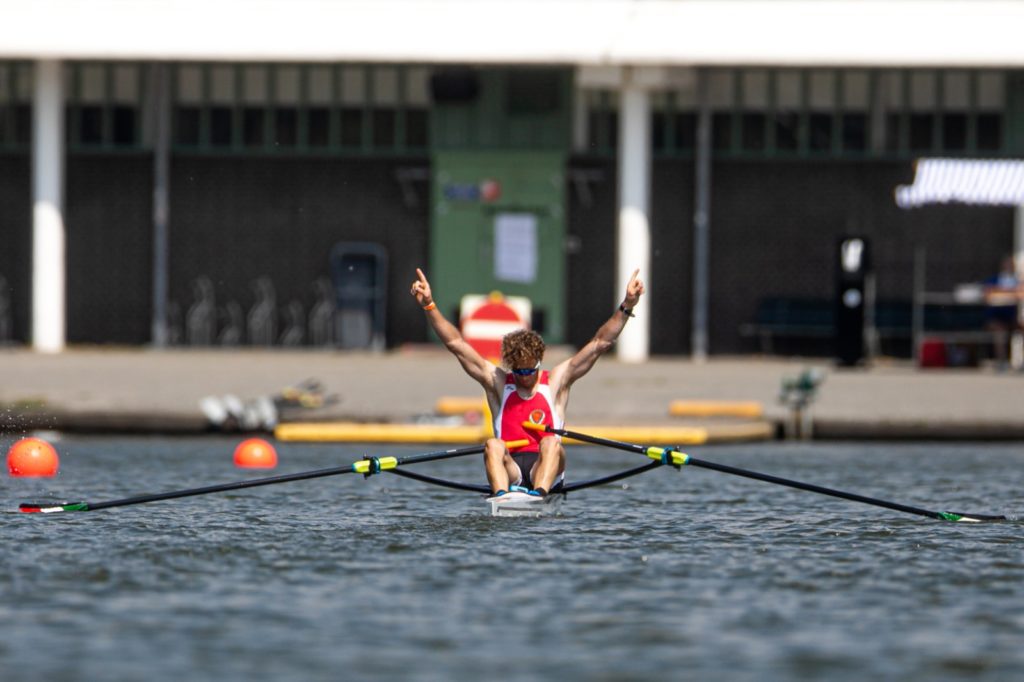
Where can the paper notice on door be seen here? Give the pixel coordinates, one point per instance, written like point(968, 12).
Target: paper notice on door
point(515, 247)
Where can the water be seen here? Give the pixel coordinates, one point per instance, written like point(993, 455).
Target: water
point(693, 574)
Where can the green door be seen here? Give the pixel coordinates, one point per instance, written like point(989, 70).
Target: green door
point(499, 225)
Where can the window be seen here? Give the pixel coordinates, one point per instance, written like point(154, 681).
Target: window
point(103, 107)
point(836, 112)
point(288, 108)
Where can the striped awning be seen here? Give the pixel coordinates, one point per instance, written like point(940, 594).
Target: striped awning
point(984, 182)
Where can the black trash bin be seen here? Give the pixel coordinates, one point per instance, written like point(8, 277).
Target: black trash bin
point(359, 277)
point(852, 266)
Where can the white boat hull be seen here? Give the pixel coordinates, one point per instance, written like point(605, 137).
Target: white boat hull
point(521, 504)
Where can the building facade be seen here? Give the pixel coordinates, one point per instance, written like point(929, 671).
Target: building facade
point(269, 166)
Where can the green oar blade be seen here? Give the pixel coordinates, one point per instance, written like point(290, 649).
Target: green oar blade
point(51, 507)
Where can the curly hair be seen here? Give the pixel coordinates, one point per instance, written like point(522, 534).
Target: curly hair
point(522, 348)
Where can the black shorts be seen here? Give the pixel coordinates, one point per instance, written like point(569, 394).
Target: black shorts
point(525, 462)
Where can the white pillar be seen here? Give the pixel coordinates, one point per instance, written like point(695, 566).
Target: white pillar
point(634, 233)
point(701, 223)
point(160, 103)
point(48, 315)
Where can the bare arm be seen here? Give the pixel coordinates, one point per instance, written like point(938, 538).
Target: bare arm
point(581, 363)
point(475, 365)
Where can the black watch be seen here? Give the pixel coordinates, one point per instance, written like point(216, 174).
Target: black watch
point(628, 312)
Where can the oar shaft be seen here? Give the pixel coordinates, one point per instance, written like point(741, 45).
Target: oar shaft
point(206, 490)
point(364, 466)
point(680, 459)
point(285, 478)
point(810, 487)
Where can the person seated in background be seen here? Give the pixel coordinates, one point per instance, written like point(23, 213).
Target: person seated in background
point(1002, 296)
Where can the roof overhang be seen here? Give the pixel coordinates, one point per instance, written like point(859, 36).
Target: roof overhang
point(871, 33)
point(981, 182)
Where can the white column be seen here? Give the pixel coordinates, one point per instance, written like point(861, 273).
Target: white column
point(701, 223)
point(634, 234)
point(48, 315)
point(160, 103)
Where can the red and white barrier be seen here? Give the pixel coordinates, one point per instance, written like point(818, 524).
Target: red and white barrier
point(486, 319)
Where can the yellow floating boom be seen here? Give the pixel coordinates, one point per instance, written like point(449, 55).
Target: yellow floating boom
point(716, 408)
point(354, 432)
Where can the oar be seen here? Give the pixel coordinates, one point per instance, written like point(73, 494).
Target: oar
point(368, 467)
point(676, 458)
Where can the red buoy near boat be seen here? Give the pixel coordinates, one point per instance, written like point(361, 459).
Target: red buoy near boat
point(32, 457)
point(255, 453)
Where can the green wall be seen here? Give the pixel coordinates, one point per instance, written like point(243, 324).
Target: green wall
point(500, 141)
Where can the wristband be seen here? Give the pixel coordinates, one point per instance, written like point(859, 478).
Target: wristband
point(430, 306)
point(628, 312)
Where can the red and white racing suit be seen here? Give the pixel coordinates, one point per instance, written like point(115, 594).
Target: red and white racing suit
point(514, 410)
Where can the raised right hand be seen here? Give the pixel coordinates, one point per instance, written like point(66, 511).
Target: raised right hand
point(421, 289)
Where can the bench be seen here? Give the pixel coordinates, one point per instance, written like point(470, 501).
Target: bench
point(813, 319)
point(791, 318)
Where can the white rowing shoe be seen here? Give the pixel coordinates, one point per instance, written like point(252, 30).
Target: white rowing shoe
point(520, 504)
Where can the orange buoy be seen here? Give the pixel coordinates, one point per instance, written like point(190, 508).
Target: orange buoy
point(255, 453)
point(32, 457)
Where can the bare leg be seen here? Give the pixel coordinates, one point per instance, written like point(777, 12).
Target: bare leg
point(495, 460)
point(550, 463)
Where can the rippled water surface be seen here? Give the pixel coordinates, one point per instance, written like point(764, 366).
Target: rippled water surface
point(675, 575)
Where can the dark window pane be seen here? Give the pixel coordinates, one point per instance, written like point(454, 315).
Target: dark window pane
point(892, 132)
point(612, 127)
point(417, 135)
point(989, 132)
point(22, 123)
point(602, 130)
point(69, 129)
point(658, 136)
point(594, 136)
point(721, 131)
point(319, 126)
point(253, 127)
point(820, 128)
point(787, 131)
point(351, 127)
point(384, 128)
point(90, 124)
point(125, 126)
point(753, 131)
point(6, 124)
point(532, 91)
point(921, 128)
point(286, 127)
point(954, 132)
point(686, 131)
point(855, 132)
point(221, 120)
point(186, 126)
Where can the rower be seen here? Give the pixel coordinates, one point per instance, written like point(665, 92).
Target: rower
point(521, 391)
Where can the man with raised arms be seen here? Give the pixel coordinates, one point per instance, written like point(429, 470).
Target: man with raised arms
point(521, 391)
